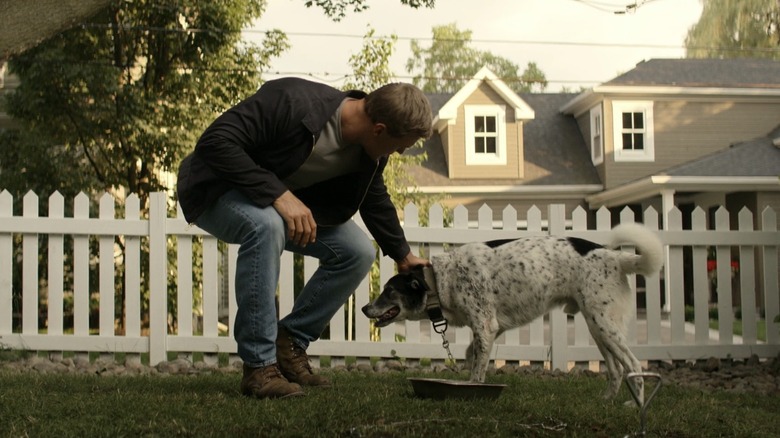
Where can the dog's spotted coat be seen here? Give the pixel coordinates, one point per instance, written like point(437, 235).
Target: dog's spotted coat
point(496, 286)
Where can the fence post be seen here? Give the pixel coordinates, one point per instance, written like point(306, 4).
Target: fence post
point(559, 336)
point(158, 285)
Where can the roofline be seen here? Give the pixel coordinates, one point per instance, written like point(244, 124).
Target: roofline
point(652, 186)
point(527, 191)
point(588, 98)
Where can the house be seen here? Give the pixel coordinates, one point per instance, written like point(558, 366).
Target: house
point(669, 132)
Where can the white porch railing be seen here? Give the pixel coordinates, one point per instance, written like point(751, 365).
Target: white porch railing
point(60, 284)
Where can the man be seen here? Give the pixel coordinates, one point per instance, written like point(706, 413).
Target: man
point(286, 169)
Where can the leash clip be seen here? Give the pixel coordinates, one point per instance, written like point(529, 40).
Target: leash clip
point(440, 326)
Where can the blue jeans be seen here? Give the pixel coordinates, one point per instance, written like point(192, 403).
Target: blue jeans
point(345, 254)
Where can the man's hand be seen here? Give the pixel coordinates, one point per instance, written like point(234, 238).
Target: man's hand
point(410, 261)
point(301, 228)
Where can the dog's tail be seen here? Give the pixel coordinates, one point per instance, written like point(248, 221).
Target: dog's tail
point(650, 251)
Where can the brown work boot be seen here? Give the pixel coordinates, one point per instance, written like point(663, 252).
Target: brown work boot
point(267, 382)
point(294, 362)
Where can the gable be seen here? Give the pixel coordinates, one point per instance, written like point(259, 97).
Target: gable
point(448, 113)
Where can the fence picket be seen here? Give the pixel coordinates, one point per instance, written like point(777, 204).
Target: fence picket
point(412, 218)
point(627, 217)
point(158, 279)
point(536, 327)
point(56, 262)
point(436, 222)
point(6, 266)
point(132, 262)
point(30, 269)
point(582, 336)
point(81, 292)
point(208, 308)
point(461, 222)
point(770, 273)
point(723, 258)
point(509, 223)
point(231, 291)
point(652, 290)
point(388, 333)
point(701, 282)
point(184, 289)
point(675, 281)
point(747, 281)
point(106, 271)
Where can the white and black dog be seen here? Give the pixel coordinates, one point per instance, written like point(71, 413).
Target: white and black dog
point(496, 286)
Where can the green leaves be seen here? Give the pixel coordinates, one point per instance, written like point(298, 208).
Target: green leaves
point(450, 62)
point(736, 29)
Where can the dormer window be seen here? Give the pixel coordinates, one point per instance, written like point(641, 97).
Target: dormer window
point(633, 129)
point(485, 134)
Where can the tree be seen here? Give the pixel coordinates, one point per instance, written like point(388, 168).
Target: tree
point(736, 29)
point(336, 9)
point(450, 62)
point(118, 101)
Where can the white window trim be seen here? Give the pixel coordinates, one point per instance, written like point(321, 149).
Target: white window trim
point(497, 111)
point(646, 107)
point(596, 141)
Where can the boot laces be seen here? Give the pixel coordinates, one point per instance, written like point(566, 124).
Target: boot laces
point(271, 372)
point(300, 358)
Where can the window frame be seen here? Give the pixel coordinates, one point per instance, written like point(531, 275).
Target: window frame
point(646, 108)
point(596, 135)
point(485, 158)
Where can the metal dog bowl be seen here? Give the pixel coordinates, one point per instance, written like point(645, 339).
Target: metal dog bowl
point(441, 389)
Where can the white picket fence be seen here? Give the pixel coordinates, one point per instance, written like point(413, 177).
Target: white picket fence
point(557, 340)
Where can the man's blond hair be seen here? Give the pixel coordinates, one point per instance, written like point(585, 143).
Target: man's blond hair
point(403, 108)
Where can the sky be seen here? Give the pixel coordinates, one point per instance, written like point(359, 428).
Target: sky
point(576, 43)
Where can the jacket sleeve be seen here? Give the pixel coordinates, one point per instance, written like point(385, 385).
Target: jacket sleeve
point(381, 218)
point(237, 143)
point(231, 163)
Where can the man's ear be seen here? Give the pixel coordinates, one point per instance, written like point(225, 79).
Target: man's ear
point(379, 128)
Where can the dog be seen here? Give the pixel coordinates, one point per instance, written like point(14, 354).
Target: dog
point(496, 286)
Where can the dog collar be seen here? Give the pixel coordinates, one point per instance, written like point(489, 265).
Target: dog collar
point(432, 303)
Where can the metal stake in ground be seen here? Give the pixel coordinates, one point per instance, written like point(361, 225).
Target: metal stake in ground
point(648, 398)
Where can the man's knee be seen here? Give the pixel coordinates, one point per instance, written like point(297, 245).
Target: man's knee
point(264, 225)
point(365, 253)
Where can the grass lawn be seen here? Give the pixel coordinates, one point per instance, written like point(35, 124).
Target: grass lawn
point(760, 328)
point(362, 405)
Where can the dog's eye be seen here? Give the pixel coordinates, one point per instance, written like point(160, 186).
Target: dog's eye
point(415, 284)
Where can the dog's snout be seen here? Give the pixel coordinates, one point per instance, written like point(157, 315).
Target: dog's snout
point(365, 309)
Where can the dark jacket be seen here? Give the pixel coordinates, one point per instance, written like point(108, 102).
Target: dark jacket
point(265, 138)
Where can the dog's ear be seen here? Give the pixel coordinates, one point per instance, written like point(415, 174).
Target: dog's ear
point(417, 282)
point(418, 269)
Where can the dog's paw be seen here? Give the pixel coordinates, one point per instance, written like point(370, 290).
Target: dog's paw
point(630, 404)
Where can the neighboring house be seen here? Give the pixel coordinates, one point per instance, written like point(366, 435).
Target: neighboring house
point(683, 132)
point(669, 132)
